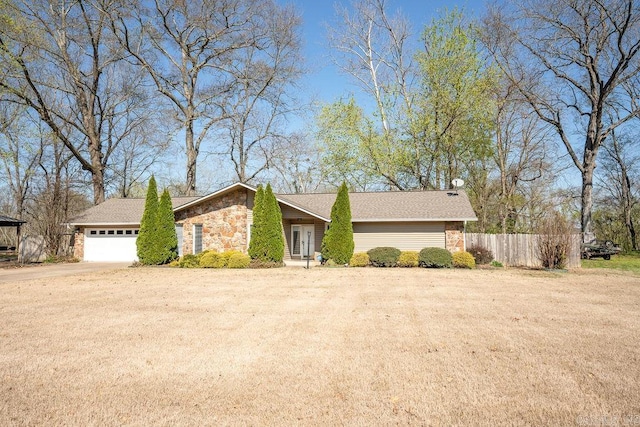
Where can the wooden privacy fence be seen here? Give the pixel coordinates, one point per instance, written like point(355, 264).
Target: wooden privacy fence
point(520, 250)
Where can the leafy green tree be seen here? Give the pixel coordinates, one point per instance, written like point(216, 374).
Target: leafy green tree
point(274, 238)
point(452, 121)
point(337, 243)
point(440, 131)
point(166, 243)
point(256, 244)
point(145, 243)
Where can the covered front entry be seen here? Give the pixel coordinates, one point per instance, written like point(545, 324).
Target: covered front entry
point(302, 241)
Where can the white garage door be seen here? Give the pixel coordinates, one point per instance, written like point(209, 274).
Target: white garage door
point(110, 244)
point(408, 236)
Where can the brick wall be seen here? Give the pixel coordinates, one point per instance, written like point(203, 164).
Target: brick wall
point(224, 223)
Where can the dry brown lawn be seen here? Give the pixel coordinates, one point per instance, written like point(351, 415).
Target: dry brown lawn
point(160, 346)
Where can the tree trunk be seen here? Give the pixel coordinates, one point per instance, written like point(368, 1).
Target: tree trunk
point(192, 158)
point(97, 170)
point(587, 200)
point(626, 201)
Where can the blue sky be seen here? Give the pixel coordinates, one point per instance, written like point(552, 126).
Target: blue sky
point(324, 80)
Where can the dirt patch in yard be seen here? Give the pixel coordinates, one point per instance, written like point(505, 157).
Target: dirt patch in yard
point(160, 346)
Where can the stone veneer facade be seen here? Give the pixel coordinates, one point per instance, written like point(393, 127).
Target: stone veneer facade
point(454, 236)
point(78, 244)
point(224, 223)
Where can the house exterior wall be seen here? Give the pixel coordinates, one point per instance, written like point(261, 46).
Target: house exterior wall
point(406, 236)
point(320, 228)
point(454, 235)
point(224, 222)
point(286, 228)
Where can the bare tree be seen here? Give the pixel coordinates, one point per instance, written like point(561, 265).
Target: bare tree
point(576, 62)
point(621, 163)
point(260, 101)
point(187, 48)
point(521, 154)
point(58, 58)
point(296, 166)
point(373, 47)
point(19, 153)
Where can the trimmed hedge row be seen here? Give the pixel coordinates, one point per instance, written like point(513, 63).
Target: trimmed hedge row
point(211, 259)
point(427, 258)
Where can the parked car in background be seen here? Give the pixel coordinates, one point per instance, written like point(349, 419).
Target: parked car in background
point(599, 248)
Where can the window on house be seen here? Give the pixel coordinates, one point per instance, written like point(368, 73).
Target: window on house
point(197, 238)
point(295, 239)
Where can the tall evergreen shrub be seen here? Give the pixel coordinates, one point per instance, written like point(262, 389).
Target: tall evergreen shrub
point(166, 238)
point(274, 238)
point(256, 244)
point(337, 243)
point(147, 235)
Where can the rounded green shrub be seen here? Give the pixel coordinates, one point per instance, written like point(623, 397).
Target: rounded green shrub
point(189, 261)
point(463, 260)
point(228, 254)
point(359, 259)
point(213, 260)
point(384, 256)
point(435, 258)
point(481, 254)
point(238, 260)
point(408, 259)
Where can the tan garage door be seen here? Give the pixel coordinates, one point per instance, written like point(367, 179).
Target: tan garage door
point(410, 236)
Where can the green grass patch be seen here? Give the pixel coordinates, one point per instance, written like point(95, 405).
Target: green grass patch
point(628, 262)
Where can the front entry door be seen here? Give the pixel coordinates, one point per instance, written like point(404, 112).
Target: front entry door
point(302, 241)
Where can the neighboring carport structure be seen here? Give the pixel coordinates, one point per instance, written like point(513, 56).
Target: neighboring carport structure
point(6, 221)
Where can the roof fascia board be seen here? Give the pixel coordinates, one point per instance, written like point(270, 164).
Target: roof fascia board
point(103, 224)
point(412, 219)
point(301, 209)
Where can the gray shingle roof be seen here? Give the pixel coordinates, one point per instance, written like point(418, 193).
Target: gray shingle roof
point(119, 211)
point(378, 206)
point(392, 206)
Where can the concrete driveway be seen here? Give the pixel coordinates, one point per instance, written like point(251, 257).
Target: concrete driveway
point(56, 270)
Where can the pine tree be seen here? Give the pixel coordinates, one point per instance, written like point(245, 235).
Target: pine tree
point(145, 242)
point(256, 244)
point(166, 244)
point(274, 238)
point(337, 243)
